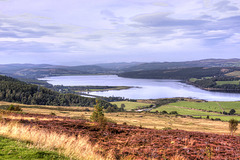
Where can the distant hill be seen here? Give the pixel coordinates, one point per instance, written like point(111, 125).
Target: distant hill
point(43, 70)
point(91, 69)
point(180, 73)
point(186, 64)
point(11, 68)
point(119, 66)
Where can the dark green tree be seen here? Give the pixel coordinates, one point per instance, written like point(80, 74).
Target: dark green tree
point(97, 115)
point(232, 111)
point(122, 107)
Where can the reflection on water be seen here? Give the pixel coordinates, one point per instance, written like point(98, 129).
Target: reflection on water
point(145, 88)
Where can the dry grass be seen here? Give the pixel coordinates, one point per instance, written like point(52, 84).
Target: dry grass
point(46, 106)
point(234, 74)
point(150, 120)
point(70, 146)
point(58, 113)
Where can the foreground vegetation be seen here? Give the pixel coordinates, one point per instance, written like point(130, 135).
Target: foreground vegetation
point(144, 119)
point(14, 149)
point(83, 139)
point(69, 145)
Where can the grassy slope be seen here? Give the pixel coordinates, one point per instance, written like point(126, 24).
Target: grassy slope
point(234, 74)
point(131, 105)
point(227, 82)
point(210, 106)
point(12, 149)
point(194, 109)
point(182, 111)
point(151, 120)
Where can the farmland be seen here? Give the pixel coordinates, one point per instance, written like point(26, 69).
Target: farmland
point(234, 74)
point(227, 82)
point(209, 106)
point(131, 105)
point(203, 109)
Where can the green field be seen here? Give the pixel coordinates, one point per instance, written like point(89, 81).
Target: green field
point(15, 150)
point(227, 82)
point(131, 105)
point(195, 79)
point(182, 111)
point(209, 106)
point(188, 108)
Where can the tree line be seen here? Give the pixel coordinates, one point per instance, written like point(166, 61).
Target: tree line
point(13, 90)
point(211, 83)
point(182, 73)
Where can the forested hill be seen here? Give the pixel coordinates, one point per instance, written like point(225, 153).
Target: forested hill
point(182, 74)
point(13, 90)
point(187, 64)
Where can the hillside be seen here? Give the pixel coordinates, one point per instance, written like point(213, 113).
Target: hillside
point(124, 141)
point(181, 74)
point(43, 70)
point(186, 64)
point(13, 90)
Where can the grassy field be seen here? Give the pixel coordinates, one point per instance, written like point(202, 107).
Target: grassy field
point(222, 117)
point(182, 110)
point(152, 120)
point(227, 82)
point(209, 106)
point(12, 149)
point(193, 79)
point(198, 109)
point(149, 120)
point(234, 74)
point(131, 105)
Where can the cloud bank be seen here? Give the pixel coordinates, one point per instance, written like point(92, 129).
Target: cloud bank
point(79, 32)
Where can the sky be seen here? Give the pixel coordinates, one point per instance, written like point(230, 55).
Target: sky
point(77, 32)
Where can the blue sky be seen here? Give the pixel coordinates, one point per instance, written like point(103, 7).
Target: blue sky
point(76, 32)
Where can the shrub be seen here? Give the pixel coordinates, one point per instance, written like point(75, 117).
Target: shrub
point(97, 115)
point(166, 128)
point(163, 112)
point(233, 125)
point(232, 111)
point(173, 112)
point(225, 113)
point(53, 114)
point(14, 108)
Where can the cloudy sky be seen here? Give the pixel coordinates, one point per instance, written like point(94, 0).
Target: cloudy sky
point(78, 32)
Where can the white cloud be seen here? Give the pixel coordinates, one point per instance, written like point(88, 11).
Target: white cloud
point(113, 30)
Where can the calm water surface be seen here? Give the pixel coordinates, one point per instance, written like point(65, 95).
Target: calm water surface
point(144, 88)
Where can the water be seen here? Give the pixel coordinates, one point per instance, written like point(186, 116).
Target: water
point(143, 88)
